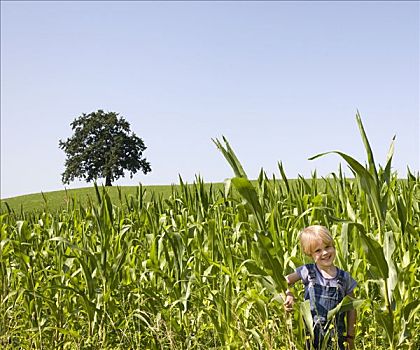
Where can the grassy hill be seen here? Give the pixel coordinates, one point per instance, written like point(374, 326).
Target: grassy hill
point(58, 200)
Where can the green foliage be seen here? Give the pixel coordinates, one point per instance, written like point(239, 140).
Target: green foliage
point(102, 146)
point(202, 267)
point(193, 269)
point(379, 247)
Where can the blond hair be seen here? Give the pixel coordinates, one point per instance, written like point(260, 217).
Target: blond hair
point(311, 234)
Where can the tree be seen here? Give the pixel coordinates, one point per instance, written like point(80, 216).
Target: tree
point(102, 146)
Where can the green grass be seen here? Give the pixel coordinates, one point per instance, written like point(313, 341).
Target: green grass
point(57, 200)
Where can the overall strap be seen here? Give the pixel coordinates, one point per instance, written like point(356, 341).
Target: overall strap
point(311, 273)
point(318, 321)
point(310, 291)
point(341, 282)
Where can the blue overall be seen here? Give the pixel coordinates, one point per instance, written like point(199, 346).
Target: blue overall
point(323, 299)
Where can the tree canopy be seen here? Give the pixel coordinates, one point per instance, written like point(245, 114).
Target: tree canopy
point(102, 146)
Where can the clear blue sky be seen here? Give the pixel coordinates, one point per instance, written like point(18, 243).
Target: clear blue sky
point(281, 80)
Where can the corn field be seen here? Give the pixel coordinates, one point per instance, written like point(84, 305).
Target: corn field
point(204, 268)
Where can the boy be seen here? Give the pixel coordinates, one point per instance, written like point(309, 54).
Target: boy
point(325, 286)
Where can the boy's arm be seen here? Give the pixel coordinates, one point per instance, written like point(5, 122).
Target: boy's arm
point(351, 326)
point(292, 278)
point(290, 299)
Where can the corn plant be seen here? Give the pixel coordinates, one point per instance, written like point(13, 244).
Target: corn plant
point(203, 268)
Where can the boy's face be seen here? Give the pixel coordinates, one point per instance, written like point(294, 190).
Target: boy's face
point(323, 254)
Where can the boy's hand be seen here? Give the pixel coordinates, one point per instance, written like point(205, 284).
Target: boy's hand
point(289, 302)
point(350, 343)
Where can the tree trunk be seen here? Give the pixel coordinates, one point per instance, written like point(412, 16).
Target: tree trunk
point(108, 181)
